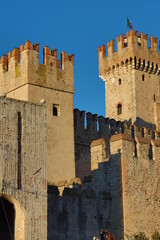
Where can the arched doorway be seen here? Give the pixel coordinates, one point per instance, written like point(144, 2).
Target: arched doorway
point(7, 220)
point(12, 219)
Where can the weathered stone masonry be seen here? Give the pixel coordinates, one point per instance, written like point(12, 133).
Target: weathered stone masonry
point(25, 186)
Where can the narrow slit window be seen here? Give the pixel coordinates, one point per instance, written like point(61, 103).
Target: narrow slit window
point(143, 77)
point(150, 152)
point(135, 149)
point(19, 177)
point(119, 109)
point(119, 81)
point(154, 97)
point(132, 132)
point(153, 135)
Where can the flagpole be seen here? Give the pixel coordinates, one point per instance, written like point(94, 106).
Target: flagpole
point(127, 23)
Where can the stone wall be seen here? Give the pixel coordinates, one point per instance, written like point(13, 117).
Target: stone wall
point(78, 214)
point(140, 182)
point(106, 177)
point(23, 166)
point(85, 134)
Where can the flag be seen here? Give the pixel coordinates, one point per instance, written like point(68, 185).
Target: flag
point(129, 23)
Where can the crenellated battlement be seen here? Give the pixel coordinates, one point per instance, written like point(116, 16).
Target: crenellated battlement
point(132, 52)
point(141, 147)
point(98, 126)
point(95, 126)
point(22, 66)
point(89, 127)
point(49, 56)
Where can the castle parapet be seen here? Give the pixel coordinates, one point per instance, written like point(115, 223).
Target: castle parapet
point(4, 62)
point(108, 127)
point(22, 66)
point(132, 51)
point(91, 123)
point(79, 120)
point(94, 129)
point(140, 147)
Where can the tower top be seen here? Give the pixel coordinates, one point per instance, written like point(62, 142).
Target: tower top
point(132, 49)
point(22, 66)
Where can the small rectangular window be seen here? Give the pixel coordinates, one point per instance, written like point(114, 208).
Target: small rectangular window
point(56, 110)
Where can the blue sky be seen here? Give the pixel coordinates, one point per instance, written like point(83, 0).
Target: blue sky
point(79, 27)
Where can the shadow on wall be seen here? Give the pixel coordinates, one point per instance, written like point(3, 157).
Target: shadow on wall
point(107, 178)
point(82, 211)
point(141, 123)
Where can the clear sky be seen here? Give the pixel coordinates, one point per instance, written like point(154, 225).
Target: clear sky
point(79, 27)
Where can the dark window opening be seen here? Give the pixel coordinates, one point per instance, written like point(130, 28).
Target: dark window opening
point(19, 184)
point(153, 135)
point(150, 152)
point(119, 109)
point(139, 63)
point(143, 77)
point(154, 97)
point(55, 112)
point(135, 149)
point(142, 133)
point(132, 132)
point(119, 81)
point(7, 220)
point(135, 62)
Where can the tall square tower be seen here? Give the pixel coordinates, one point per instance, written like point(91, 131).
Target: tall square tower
point(132, 81)
point(22, 77)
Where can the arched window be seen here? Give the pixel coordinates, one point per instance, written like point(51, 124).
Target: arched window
point(119, 81)
point(56, 110)
point(119, 109)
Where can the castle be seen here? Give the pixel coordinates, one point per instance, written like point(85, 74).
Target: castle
point(60, 179)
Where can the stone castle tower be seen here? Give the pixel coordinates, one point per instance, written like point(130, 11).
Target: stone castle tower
point(22, 77)
point(41, 192)
point(132, 88)
point(132, 81)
